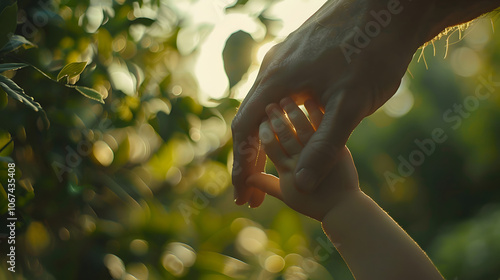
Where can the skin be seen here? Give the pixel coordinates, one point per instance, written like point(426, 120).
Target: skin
point(373, 245)
point(348, 84)
point(285, 154)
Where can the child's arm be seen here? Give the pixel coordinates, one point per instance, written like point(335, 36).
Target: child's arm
point(372, 244)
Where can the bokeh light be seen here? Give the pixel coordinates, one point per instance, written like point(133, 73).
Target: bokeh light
point(465, 62)
point(402, 101)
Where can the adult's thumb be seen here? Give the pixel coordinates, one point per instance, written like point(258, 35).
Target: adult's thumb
point(322, 150)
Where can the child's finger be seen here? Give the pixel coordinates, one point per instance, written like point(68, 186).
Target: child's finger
point(266, 183)
point(283, 129)
point(258, 196)
point(303, 127)
point(271, 145)
point(315, 113)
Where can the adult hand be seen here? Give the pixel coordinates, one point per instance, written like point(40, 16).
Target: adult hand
point(350, 57)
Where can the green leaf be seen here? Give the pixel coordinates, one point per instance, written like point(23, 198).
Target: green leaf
point(8, 21)
point(15, 42)
point(17, 93)
point(71, 70)
point(237, 56)
point(11, 66)
point(90, 93)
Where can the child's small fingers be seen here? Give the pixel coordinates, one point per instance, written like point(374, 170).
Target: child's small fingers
point(283, 129)
point(303, 127)
point(257, 198)
point(315, 113)
point(266, 183)
point(271, 145)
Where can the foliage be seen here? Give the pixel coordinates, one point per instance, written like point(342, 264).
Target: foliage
point(131, 176)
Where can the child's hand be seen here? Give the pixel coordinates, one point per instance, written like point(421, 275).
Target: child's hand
point(372, 243)
point(283, 141)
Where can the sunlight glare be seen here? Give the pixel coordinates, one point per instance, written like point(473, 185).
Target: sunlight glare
point(261, 53)
point(401, 103)
point(209, 68)
point(243, 87)
point(292, 13)
point(465, 62)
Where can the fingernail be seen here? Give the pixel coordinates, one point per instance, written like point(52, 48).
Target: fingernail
point(305, 179)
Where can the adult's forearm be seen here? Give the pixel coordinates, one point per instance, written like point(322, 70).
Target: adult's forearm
point(415, 21)
point(449, 13)
point(372, 243)
point(393, 29)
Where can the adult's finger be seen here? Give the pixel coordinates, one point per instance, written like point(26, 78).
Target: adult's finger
point(245, 137)
point(258, 195)
point(320, 153)
point(315, 114)
point(245, 155)
point(245, 147)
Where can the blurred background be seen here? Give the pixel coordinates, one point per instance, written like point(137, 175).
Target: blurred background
point(138, 187)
